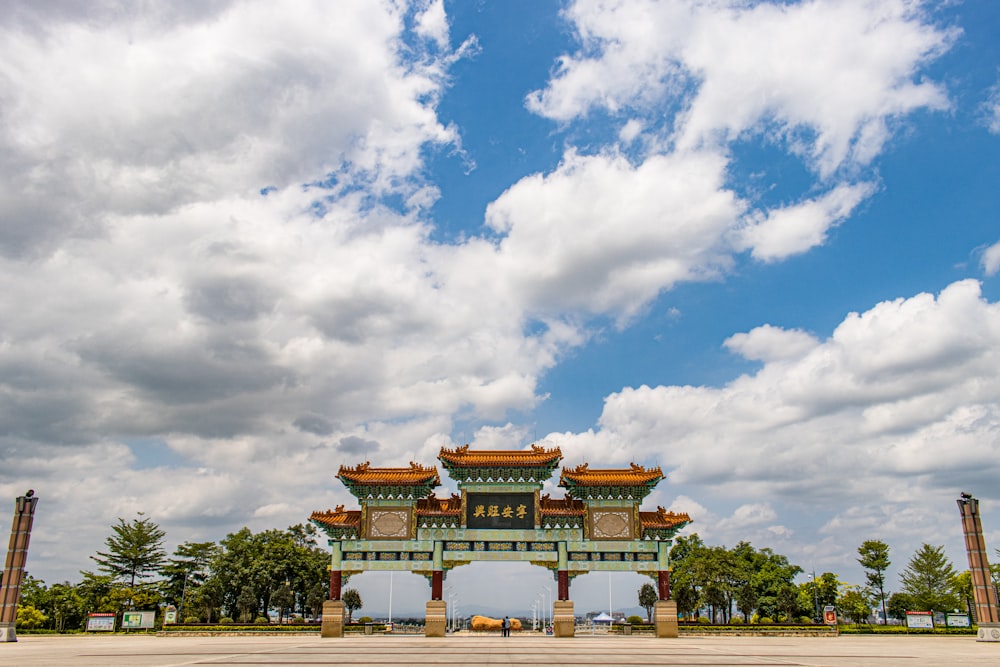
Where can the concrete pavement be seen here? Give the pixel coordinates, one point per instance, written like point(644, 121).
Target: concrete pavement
point(844, 651)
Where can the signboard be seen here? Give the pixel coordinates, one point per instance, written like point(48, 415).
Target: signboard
point(101, 622)
point(919, 620)
point(138, 620)
point(957, 621)
point(830, 615)
point(500, 510)
point(170, 616)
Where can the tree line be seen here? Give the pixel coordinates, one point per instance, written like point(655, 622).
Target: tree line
point(239, 578)
point(745, 584)
point(246, 574)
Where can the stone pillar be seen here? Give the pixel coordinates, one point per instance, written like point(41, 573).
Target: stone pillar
point(563, 620)
point(333, 619)
point(665, 618)
point(13, 573)
point(436, 622)
point(987, 609)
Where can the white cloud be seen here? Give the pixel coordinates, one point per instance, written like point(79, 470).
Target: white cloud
point(779, 233)
point(600, 235)
point(767, 343)
point(167, 276)
point(827, 77)
point(991, 109)
point(899, 402)
point(991, 259)
point(163, 118)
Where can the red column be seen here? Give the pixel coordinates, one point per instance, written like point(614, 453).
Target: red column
point(664, 581)
point(334, 584)
point(563, 579)
point(437, 582)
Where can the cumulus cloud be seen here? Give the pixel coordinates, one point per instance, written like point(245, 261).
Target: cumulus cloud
point(826, 77)
point(600, 234)
point(217, 235)
point(869, 410)
point(167, 116)
point(991, 259)
point(779, 233)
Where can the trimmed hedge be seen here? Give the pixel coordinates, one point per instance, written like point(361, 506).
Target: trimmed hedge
point(240, 627)
point(902, 630)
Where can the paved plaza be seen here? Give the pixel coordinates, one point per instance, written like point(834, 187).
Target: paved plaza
point(845, 651)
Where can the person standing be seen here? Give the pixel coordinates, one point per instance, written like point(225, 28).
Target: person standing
point(505, 628)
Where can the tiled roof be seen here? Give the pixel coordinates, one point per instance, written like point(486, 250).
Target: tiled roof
point(636, 475)
point(463, 457)
point(364, 474)
point(661, 518)
point(338, 518)
point(434, 506)
point(561, 506)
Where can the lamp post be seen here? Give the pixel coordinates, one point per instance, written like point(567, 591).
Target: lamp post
point(548, 594)
point(815, 596)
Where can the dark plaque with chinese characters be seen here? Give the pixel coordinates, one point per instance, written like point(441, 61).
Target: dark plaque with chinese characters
point(500, 510)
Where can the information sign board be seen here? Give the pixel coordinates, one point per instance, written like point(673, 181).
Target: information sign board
point(957, 621)
point(100, 622)
point(138, 620)
point(919, 619)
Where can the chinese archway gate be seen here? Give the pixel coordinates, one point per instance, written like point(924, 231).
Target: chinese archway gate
point(500, 514)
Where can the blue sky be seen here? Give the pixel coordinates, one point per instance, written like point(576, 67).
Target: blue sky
point(755, 243)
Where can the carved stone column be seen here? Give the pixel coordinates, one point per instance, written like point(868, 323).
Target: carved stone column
point(563, 620)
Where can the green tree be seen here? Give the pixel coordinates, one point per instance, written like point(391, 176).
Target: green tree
point(788, 602)
point(282, 599)
point(684, 586)
point(66, 607)
point(874, 558)
point(647, 599)
point(315, 598)
point(854, 604)
point(246, 604)
point(186, 570)
point(352, 601)
point(29, 618)
point(135, 550)
point(962, 584)
point(899, 604)
point(208, 598)
point(928, 580)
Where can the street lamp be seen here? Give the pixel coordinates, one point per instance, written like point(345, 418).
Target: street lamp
point(815, 596)
point(548, 592)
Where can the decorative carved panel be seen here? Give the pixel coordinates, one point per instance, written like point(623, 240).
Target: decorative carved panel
point(611, 524)
point(389, 523)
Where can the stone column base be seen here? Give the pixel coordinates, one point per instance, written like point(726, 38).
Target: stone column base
point(988, 632)
point(7, 633)
point(563, 621)
point(333, 619)
point(665, 618)
point(436, 623)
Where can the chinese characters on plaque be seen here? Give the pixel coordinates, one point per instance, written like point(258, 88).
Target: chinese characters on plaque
point(500, 510)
